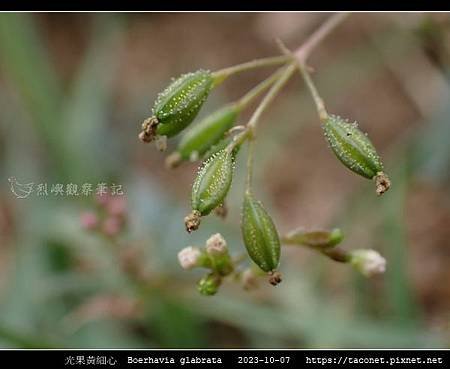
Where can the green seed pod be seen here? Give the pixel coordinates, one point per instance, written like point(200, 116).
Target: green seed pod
point(314, 239)
point(354, 149)
point(207, 133)
point(260, 237)
point(175, 159)
point(209, 284)
point(210, 186)
point(178, 105)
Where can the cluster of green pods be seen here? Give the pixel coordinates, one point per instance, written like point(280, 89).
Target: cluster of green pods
point(210, 140)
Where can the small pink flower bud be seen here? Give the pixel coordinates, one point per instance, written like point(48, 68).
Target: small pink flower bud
point(189, 257)
point(89, 220)
point(116, 206)
point(216, 244)
point(112, 226)
point(368, 262)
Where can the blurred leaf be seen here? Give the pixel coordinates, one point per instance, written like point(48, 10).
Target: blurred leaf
point(24, 59)
point(393, 235)
point(89, 107)
point(59, 256)
point(325, 326)
point(14, 339)
point(432, 152)
point(176, 325)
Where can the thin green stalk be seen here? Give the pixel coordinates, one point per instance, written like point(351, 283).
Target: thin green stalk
point(258, 89)
point(248, 183)
point(268, 98)
point(300, 56)
point(255, 118)
point(220, 75)
point(273, 92)
point(335, 253)
point(323, 115)
point(303, 52)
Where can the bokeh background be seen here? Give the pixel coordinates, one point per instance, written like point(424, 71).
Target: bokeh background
point(74, 89)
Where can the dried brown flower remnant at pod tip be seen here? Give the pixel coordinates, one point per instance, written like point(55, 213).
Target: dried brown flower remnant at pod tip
point(148, 132)
point(275, 278)
point(192, 221)
point(382, 183)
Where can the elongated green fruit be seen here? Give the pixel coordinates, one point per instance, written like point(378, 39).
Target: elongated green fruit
point(174, 159)
point(354, 149)
point(202, 136)
point(315, 239)
point(210, 186)
point(178, 105)
point(213, 182)
point(260, 237)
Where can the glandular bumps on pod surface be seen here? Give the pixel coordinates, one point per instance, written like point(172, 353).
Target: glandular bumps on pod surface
point(354, 149)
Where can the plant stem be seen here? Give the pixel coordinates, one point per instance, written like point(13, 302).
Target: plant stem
point(220, 75)
point(268, 98)
point(335, 253)
point(286, 73)
point(323, 115)
point(303, 52)
point(248, 183)
point(258, 89)
point(248, 133)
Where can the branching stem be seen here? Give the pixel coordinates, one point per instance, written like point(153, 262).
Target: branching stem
point(249, 132)
point(222, 74)
point(303, 52)
point(248, 183)
point(282, 76)
point(323, 115)
point(334, 253)
point(268, 98)
point(258, 89)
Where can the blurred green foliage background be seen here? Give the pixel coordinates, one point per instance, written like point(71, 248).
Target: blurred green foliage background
point(73, 91)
